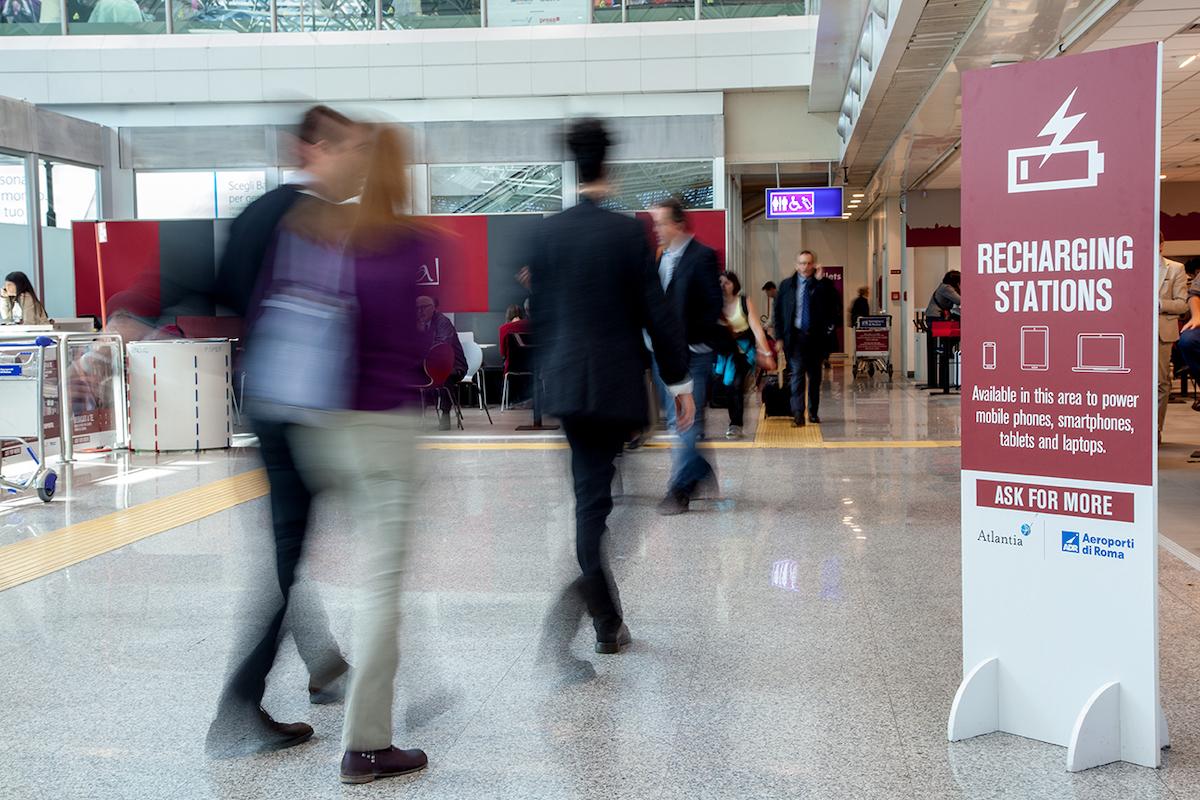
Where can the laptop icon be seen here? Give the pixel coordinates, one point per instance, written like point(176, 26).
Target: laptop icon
point(1101, 352)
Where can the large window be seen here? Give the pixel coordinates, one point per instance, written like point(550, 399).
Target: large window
point(325, 15)
point(206, 194)
point(29, 17)
point(495, 188)
point(15, 242)
point(639, 185)
point(68, 193)
point(115, 16)
point(431, 14)
point(722, 9)
point(236, 16)
point(659, 10)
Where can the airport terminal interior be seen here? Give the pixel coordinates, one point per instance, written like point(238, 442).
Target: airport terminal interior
point(800, 620)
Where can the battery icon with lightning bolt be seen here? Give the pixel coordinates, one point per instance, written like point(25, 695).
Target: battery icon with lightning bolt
point(1074, 166)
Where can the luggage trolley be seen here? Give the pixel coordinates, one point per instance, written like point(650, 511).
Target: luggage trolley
point(873, 344)
point(23, 376)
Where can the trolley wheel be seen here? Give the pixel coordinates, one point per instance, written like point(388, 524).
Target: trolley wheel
point(46, 486)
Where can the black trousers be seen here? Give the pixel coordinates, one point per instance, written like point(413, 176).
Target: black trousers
point(291, 502)
point(931, 360)
point(805, 356)
point(737, 392)
point(595, 446)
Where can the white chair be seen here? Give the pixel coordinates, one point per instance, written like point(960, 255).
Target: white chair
point(474, 374)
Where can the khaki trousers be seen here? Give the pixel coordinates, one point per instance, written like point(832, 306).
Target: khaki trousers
point(1164, 381)
point(371, 458)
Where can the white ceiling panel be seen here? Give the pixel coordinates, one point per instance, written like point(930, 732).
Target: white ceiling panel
point(1177, 17)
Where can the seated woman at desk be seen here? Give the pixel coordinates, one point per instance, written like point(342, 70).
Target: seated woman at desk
point(19, 302)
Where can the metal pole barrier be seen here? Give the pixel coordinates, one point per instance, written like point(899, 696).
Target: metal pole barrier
point(65, 428)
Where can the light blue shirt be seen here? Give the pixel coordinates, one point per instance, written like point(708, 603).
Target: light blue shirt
point(670, 260)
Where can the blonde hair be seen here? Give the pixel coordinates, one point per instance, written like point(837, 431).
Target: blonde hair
point(386, 193)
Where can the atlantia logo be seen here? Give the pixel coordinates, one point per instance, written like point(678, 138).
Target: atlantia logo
point(1098, 546)
point(991, 538)
point(1026, 530)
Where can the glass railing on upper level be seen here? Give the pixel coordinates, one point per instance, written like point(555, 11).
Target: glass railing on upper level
point(56, 17)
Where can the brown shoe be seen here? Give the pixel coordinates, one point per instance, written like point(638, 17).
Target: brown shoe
point(242, 732)
point(612, 643)
point(674, 503)
point(278, 735)
point(359, 766)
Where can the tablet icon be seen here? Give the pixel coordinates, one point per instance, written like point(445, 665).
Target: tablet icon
point(1101, 352)
point(1035, 348)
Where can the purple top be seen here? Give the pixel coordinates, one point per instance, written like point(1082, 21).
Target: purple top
point(391, 351)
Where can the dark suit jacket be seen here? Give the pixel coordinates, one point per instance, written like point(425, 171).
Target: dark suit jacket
point(694, 293)
point(595, 289)
point(443, 331)
point(250, 238)
point(824, 309)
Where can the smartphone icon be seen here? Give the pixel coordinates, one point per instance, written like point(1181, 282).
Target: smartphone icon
point(1035, 348)
point(989, 355)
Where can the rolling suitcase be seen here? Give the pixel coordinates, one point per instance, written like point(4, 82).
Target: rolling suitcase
point(776, 398)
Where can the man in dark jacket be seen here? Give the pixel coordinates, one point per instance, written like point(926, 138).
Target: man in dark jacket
point(688, 273)
point(807, 312)
point(330, 148)
point(596, 289)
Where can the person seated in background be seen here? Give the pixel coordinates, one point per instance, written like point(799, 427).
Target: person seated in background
point(442, 331)
point(516, 320)
point(20, 302)
point(1189, 337)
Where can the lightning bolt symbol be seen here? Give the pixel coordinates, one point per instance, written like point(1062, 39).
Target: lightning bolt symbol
point(1060, 125)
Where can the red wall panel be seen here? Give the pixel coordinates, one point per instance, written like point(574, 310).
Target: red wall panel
point(130, 257)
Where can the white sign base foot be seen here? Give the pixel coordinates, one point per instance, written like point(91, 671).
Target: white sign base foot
point(1096, 736)
point(1164, 737)
point(976, 708)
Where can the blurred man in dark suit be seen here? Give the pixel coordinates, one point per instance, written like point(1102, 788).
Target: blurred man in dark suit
point(596, 289)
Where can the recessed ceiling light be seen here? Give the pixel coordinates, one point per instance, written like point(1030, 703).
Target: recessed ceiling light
point(1188, 61)
point(1162, 177)
point(859, 194)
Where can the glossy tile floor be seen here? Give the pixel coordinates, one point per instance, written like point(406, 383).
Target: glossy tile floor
point(797, 638)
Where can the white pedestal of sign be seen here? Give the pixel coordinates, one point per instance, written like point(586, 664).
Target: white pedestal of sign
point(179, 394)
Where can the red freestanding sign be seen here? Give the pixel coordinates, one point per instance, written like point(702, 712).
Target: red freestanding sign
point(1059, 349)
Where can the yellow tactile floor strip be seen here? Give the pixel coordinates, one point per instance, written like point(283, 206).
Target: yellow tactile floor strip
point(779, 432)
point(807, 441)
point(32, 558)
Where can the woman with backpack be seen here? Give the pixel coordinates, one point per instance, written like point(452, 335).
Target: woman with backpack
point(748, 348)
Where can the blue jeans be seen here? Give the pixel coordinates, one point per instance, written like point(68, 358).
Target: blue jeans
point(1189, 349)
point(688, 467)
